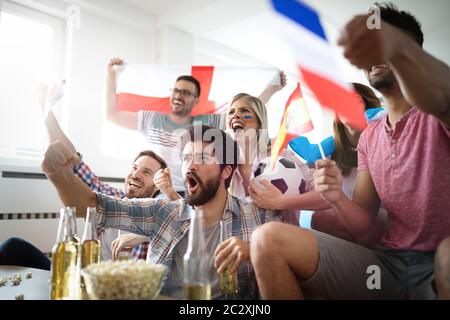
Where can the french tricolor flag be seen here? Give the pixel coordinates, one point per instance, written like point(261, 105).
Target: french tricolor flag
point(302, 29)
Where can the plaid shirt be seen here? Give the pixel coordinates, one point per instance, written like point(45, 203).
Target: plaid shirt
point(166, 222)
point(85, 173)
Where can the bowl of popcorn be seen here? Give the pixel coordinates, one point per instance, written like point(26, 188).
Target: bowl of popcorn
point(123, 280)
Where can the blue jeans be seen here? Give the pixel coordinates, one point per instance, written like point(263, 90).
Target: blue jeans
point(16, 251)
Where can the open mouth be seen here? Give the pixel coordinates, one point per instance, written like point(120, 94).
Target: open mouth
point(192, 183)
point(177, 102)
point(236, 125)
point(134, 184)
point(377, 69)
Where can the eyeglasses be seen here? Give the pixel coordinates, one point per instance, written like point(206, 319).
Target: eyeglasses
point(183, 92)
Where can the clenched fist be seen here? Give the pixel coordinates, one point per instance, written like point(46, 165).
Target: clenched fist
point(59, 156)
point(365, 47)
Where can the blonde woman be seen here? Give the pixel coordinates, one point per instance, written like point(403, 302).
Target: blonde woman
point(247, 124)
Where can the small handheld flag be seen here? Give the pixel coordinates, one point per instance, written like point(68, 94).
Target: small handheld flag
point(295, 121)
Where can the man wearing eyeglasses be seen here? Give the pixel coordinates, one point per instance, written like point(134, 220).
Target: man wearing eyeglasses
point(161, 131)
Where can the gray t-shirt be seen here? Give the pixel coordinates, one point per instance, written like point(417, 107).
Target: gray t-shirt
point(163, 136)
point(174, 283)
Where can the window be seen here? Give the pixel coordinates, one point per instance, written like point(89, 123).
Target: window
point(30, 46)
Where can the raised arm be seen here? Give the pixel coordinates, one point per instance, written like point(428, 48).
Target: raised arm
point(57, 165)
point(81, 169)
point(124, 119)
point(358, 215)
point(272, 88)
point(131, 215)
point(423, 79)
point(55, 132)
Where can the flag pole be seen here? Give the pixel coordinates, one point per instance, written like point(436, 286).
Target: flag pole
point(321, 151)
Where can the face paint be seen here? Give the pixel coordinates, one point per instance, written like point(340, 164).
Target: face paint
point(248, 117)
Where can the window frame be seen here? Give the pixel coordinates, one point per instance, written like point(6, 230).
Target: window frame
point(16, 158)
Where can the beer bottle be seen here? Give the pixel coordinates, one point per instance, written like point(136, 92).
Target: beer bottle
point(65, 253)
point(73, 222)
point(90, 245)
point(196, 261)
point(228, 281)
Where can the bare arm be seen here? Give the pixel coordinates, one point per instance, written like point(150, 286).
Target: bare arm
point(82, 170)
point(329, 221)
point(57, 165)
point(124, 119)
point(423, 79)
point(272, 198)
point(358, 216)
point(271, 88)
point(55, 132)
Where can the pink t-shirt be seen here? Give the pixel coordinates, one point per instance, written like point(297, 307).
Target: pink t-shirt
point(410, 170)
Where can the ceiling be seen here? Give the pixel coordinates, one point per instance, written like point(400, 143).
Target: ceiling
point(155, 7)
point(248, 27)
point(238, 24)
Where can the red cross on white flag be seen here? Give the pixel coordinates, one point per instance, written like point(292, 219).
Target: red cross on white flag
point(146, 87)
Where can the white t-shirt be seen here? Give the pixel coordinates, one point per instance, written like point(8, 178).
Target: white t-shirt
point(106, 237)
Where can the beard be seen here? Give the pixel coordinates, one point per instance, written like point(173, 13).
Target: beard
point(384, 83)
point(206, 191)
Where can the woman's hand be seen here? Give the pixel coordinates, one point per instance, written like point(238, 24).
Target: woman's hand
point(268, 198)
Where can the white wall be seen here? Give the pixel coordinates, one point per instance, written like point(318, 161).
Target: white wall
point(98, 39)
point(96, 42)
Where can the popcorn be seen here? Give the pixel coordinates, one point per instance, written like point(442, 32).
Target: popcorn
point(20, 297)
point(123, 279)
point(16, 279)
point(28, 275)
point(3, 281)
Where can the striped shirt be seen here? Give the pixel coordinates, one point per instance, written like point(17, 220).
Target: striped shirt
point(163, 137)
point(166, 222)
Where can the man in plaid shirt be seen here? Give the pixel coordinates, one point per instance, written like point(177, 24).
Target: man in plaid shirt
point(139, 183)
point(207, 172)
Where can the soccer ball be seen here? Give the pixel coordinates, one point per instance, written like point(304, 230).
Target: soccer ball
point(286, 175)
